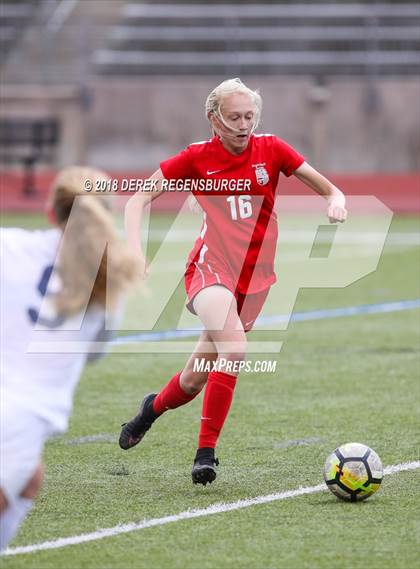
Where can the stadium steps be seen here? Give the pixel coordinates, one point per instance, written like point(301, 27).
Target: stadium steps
point(262, 39)
point(57, 46)
point(216, 38)
point(14, 17)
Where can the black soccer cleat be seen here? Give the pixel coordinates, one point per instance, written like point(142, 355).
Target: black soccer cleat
point(204, 470)
point(133, 431)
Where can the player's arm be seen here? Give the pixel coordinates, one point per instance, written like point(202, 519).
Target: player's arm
point(134, 212)
point(317, 182)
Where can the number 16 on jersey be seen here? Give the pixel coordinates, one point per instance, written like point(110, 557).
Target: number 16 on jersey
point(240, 207)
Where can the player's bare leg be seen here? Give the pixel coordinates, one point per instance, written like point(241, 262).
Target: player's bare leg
point(193, 381)
point(12, 514)
point(181, 389)
point(224, 341)
point(3, 501)
point(223, 325)
point(227, 333)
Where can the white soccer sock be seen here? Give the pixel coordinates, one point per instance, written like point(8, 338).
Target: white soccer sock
point(11, 519)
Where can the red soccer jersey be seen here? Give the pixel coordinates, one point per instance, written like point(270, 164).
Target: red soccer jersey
point(239, 232)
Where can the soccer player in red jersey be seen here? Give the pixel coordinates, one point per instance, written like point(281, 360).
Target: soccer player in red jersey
point(230, 268)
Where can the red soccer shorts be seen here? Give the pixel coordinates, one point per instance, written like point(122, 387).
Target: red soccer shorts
point(202, 275)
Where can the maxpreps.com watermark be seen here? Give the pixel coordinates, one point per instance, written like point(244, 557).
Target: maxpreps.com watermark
point(201, 365)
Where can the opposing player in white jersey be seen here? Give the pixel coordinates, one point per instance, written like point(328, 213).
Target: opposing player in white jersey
point(54, 286)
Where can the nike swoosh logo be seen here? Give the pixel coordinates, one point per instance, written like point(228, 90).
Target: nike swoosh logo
point(213, 171)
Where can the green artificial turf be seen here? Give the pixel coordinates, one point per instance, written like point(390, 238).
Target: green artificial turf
point(337, 380)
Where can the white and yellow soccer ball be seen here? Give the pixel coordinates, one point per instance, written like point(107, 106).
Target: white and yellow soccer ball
point(353, 472)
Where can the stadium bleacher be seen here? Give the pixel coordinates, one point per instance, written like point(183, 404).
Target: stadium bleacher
point(128, 38)
point(269, 38)
point(14, 17)
point(111, 72)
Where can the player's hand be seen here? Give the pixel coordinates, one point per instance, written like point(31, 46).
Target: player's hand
point(336, 210)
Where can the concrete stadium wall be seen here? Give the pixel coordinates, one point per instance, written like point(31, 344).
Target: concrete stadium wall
point(349, 125)
point(38, 102)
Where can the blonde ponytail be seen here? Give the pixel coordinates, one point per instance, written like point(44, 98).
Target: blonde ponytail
point(90, 226)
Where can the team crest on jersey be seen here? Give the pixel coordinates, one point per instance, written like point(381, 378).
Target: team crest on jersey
point(261, 174)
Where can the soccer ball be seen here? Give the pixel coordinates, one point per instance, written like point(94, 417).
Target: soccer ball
point(353, 472)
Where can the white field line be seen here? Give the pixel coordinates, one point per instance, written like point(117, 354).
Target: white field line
point(187, 515)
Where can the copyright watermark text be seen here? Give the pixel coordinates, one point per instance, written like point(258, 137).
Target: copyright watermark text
point(133, 185)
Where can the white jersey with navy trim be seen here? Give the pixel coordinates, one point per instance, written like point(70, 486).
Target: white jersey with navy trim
point(42, 383)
